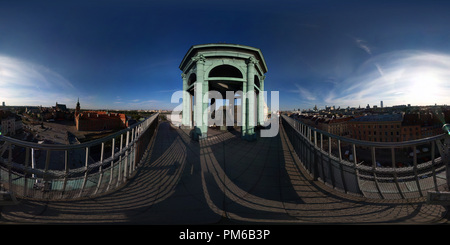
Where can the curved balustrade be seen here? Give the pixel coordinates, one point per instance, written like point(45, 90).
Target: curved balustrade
point(372, 169)
point(47, 171)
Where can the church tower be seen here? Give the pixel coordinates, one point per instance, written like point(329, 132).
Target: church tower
point(77, 109)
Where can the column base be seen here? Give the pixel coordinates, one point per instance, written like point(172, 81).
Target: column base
point(249, 137)
point(185, 127)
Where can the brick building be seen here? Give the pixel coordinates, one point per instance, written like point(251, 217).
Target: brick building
point(98, 120)
point(396, 127)
point(379, 128)
point(338, 126)
point(421, 125)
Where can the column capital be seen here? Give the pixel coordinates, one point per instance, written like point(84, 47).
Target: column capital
point(199, 58)
point(263, 77)
point(183, 75)
point(252, 60)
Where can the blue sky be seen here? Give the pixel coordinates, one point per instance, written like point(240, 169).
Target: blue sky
point(125, 54)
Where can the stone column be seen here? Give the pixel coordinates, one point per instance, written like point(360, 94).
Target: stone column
point(251, 97)
point(205, 104)
point(200, 126)
point(191, 123)
point(185, 118)
point(244, 108)
point(261, 101)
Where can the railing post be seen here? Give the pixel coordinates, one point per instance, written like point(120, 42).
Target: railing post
point(374, 169)
point(330, 165)
point(315, 138)
point(66, 170)
point(127, 152)
point(133, 151)
point(321, 157)
point(355, 165)
point(395, 173)
point(111, 176)
point(9, 168)
point(119, 175)
point(341, 167)
point(416, 174)
point(47, 183)
point(329, 145)
point(309, 134)
point(433, 167)
point(100, 176)
point(27, 163)
point(316, 164)
point(33, 164)
point(85, 172)
point(321, 141)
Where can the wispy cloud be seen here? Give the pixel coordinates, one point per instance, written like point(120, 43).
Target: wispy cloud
point(303, 93)
point(138, 104)
point(25, 83)
point(363, 45)
point(379, 69)
point(407, 77)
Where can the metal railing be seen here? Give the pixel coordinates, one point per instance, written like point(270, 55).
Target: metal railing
point(55, 172)
point(384, 170)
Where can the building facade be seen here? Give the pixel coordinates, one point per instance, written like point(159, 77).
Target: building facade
point(378, 128)
point(98, 120)
point(400, 125)
point(338, 126)
point(10, 123)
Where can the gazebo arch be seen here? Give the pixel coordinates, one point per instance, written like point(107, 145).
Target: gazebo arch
point(225, 71)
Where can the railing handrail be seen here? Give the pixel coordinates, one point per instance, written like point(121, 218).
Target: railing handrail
point(55, 147)
point(372, 179)
point(77, 173)
point(401, 144)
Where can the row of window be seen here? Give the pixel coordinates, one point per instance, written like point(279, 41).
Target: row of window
point(385, 139)
point(376, 126)
point(380, 133)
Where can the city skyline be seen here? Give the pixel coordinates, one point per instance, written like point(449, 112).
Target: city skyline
point(125, 54)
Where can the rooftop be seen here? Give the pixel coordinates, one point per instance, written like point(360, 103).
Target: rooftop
point(378, 118)
point(101, 115)
point(223, 47)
